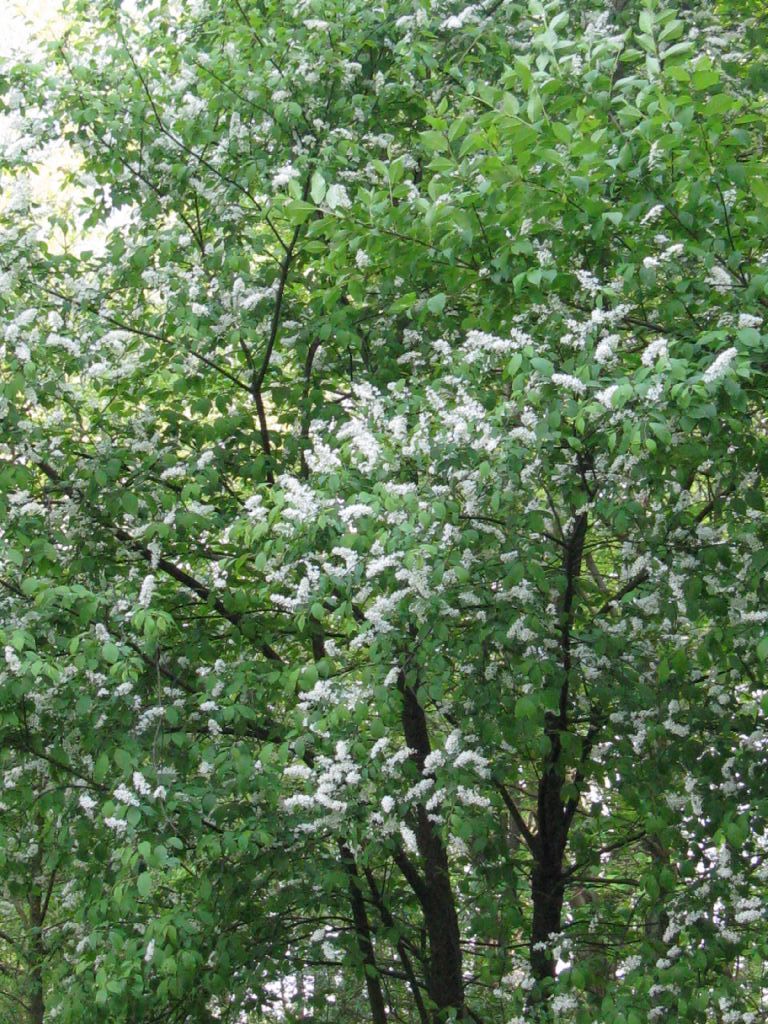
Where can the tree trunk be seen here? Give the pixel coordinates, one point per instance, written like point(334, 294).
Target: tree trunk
point(402, 952)
point(364, 940)
point(36, 1000)
point(445, 983)
point(591, 952)
point(554, 815)
point(445, 979)
point(547, 883)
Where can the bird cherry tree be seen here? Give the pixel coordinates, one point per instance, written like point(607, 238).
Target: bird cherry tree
point(383, 443)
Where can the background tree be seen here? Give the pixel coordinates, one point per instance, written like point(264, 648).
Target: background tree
point(384, 540)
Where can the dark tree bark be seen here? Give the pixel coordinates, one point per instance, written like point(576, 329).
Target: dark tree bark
point(36, 1000)
point(402, 952)
point(553, 813)
point(445, 981)
point(364, 939)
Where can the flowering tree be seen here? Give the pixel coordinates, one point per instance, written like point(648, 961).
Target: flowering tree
point(383, 515)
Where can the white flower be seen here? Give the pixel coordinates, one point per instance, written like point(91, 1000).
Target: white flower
point(362, 259)
point(433, 760)
point(116, 824)
point(588, 282)
point(87, 803)
point(720, 366)
point(560, 1004)
point(480, 342)
point(566, 380)
point(125, 796)
point(469, 797)
point(14, 99)
point(150, 951)
point(337, 198)
point(653, 214)
point(300, 500)
point(747, 320)
point(656, 350)
point(140, 784)
point(284, 175)
point(605, 348)
point(630, 964)
point(605, 397)
point(720, 279)
point(12, 659)
point(456, 21)
point(453, 742)
point(146, 592)
point(477, 761)
point(255, 508)
point(409, 838)
point(321, 458)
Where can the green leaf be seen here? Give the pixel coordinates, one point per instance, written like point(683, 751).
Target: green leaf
point(18, 639)
point(130, 503)
point(523, 72)
point(309, 677)
point(513, 365)
point(317, 188)
point(759, 187)
point(101, 767)
point(122, 759)
point(719, 105)
point(646, 22)
point(298, 211)
point(562, 132)
point(110, 652)
point(662, 431)
point(525, 707)
point(705, 79)
point(434, 141)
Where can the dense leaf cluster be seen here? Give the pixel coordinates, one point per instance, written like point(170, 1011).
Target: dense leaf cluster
point(383, 544)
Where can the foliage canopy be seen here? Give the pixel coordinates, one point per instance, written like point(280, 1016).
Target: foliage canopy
point(383, 515)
